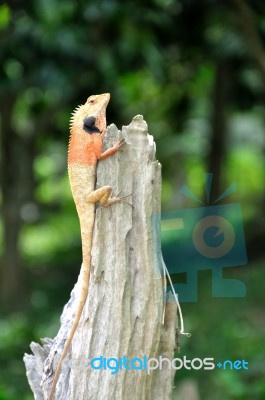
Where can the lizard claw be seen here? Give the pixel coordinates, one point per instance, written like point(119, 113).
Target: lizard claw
point(117, 199)
point(121, 142)
point(123, 201)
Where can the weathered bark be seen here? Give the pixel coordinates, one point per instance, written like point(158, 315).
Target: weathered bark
point(124, 312)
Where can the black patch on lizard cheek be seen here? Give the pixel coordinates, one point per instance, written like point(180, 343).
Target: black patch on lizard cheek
point(89, 125)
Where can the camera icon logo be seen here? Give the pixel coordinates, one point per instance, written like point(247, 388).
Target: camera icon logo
point(210, 237)
point(213, 236)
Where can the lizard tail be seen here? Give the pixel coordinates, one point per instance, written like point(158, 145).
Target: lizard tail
point(83, 297)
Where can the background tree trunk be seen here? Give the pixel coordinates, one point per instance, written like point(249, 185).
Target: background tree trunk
point(218, 139)
point(11, 282)
point(125, 313)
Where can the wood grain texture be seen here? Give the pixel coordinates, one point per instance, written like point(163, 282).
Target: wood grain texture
point(124, 310)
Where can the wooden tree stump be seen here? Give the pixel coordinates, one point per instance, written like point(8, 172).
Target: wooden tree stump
point(125, 313)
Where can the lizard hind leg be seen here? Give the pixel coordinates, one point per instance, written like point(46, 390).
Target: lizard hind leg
point(102, 195)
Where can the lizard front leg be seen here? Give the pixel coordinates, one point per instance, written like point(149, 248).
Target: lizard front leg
point(112, 150)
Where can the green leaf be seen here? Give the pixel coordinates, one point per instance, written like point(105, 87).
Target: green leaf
point(5, 15)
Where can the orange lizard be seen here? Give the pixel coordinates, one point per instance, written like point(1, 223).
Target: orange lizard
point(87, 128)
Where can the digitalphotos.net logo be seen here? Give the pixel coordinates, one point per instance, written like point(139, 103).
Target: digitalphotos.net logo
point(208, 237)
point(115, 365)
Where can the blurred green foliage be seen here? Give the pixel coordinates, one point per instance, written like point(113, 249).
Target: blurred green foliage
point(159, 58)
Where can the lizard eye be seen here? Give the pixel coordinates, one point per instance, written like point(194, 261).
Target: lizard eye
point(89, 125)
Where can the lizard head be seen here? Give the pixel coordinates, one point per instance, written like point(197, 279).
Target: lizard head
point(90, 118)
